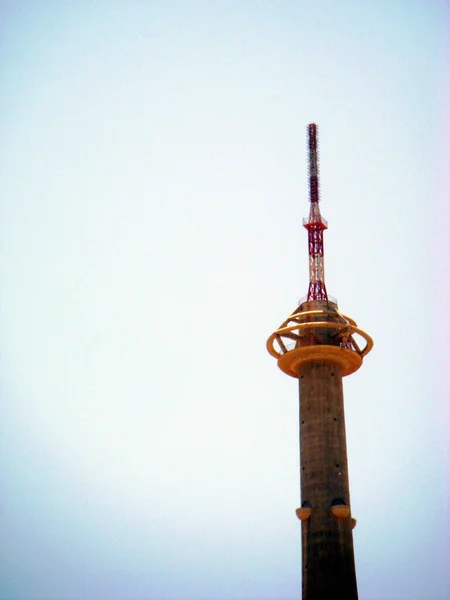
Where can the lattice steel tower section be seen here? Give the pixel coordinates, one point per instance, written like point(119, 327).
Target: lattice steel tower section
point(318, 345)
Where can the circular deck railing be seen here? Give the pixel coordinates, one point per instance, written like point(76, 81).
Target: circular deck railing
point(319, 335)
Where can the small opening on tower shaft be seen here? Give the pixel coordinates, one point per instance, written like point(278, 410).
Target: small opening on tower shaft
point(338, 502)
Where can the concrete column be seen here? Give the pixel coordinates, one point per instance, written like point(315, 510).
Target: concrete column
point(328, 564)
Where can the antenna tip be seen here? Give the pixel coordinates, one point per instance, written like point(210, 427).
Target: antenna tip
point(312, 136)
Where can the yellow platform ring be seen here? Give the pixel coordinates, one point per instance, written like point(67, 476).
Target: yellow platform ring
point(348, 360)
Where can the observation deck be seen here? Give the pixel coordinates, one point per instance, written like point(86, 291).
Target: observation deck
point(317, 332)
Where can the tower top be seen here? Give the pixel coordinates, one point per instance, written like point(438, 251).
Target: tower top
point(316, 331)
point(315, 223)
point(313, 163)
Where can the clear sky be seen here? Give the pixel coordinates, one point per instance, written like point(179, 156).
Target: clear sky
point(153, 186)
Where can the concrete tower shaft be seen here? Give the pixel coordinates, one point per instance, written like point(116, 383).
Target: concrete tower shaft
point(328, 565)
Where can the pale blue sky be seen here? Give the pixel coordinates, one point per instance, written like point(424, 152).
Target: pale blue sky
point(153, 186)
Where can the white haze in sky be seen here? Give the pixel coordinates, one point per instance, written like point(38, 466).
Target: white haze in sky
point(153, 186)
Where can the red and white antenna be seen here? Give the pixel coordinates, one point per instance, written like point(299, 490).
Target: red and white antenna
point(315, 224)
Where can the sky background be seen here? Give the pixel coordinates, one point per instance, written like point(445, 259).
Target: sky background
point(153, 186)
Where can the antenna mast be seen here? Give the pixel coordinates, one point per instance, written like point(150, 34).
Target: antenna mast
point(315, 224)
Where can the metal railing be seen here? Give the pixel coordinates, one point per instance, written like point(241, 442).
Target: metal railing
point(293, 345)
point(330, 299)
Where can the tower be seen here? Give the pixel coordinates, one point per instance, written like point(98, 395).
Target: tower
point(319, 346)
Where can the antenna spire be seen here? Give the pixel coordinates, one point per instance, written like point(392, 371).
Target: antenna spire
point(315, 223)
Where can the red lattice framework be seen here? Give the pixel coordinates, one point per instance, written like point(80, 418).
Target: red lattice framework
point(315, 224)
